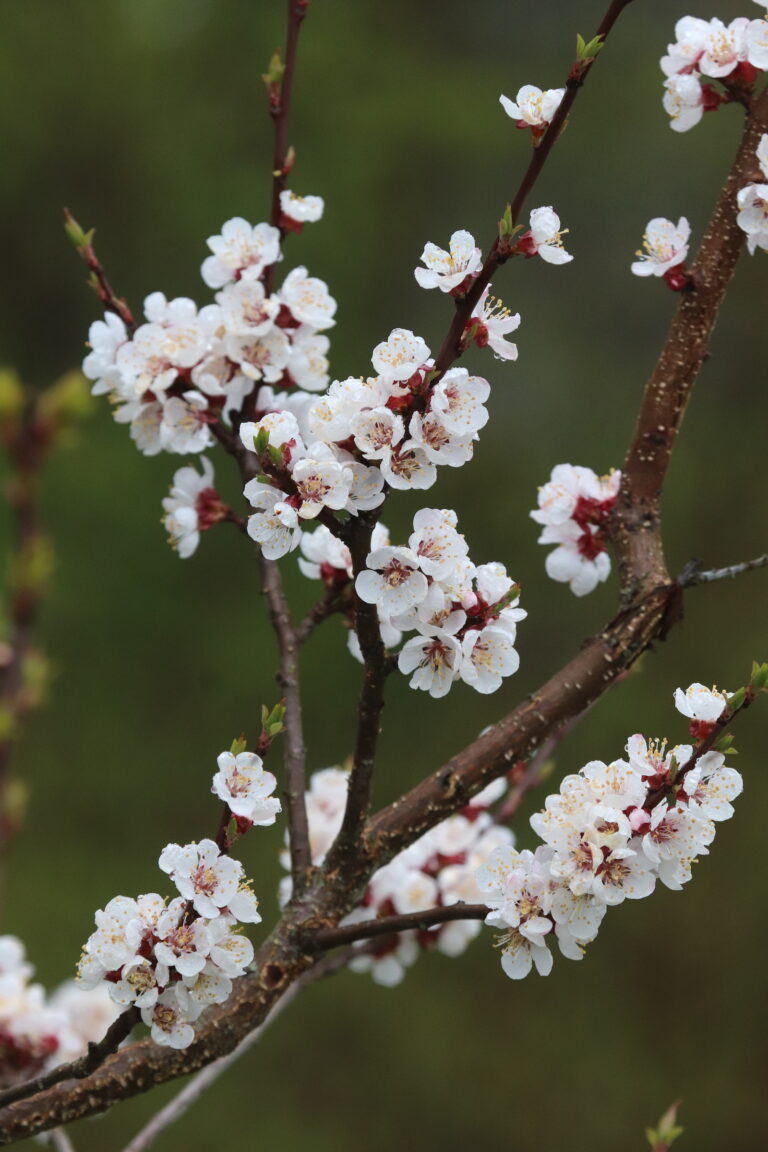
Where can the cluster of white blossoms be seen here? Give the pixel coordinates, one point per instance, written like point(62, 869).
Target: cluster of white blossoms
point(465, 616)
point(187, 366)
point(437, 870)
point(338, 451)
point(753, 204)
point(664, 251)
point(172, 959)
point(38, 1031)
point(707, 50)
point(609, 834)
point(574, 508)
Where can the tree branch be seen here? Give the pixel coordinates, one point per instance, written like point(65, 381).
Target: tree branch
point(693, 574)
point(651, 606)
point(346, 849)
point(389, 925)
point(98, 278)
point(499, 252)
point(78, 1069)
point(652, 602)
point(295, 752)
point(280, 104)
point(207, 1076)
point(636, 521)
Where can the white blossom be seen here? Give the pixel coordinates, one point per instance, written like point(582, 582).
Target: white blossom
point(392, 580)
point(275, 524)
point(399, 356)
point(700, 703)
point(308, 299)
point(683, 100)
point(182, 513)
point(711, 785)
point(246, 788)
point(665, 246)
point(546, 236)
point(496, 322)
point(448, 270)
point(302, 209)
point(532, 106)
point(170, 1018)
point(241, 250)
point(489, 655)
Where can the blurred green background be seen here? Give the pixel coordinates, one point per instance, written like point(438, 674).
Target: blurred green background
point(147, 118)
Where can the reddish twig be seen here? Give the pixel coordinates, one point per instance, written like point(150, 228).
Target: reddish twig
point(279, 107)
point(98, 278)
point(499, 251)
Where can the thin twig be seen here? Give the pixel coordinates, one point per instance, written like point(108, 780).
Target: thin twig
point(389, 925)
point(98, 278)
point(693, 574)
point(499, 253)
point(331, 603)
point(279, 109)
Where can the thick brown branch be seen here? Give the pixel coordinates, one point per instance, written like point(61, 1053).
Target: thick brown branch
point(652, 601)
point(345, 850)
point(389, 925)
point(636, 519)
point(498, 253)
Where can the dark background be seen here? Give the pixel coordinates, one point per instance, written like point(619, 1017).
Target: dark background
point(147, 118)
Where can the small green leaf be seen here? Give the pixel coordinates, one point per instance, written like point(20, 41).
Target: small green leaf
point(261, 441)
point(238, 745)
point(736, 700)
point(587, 51)
point(275, 455)
point(275, 70)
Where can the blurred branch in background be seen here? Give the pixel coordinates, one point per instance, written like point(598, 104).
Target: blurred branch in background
point(31, 425)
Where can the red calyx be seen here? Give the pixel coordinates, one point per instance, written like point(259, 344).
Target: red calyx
point(526, 246)
point(333, 577)
point(461, 289)
point(744, 74)
point(288, 224)
point(210, 509)
point(285, 318)
point(589, 511)
point(591, 544)
point(678, 278)
point(700, 729)
point(712, 98)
